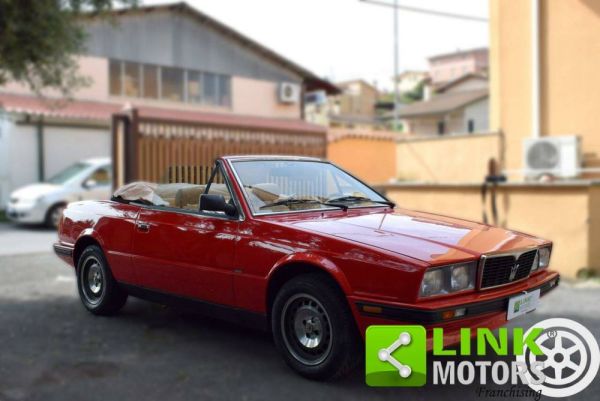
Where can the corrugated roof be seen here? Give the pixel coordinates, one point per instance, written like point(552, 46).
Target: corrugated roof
point(103, 111)
point(58, 108)
point(443, 103)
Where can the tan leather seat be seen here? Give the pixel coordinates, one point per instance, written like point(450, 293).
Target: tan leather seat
point(266, 192)
point(189, 198)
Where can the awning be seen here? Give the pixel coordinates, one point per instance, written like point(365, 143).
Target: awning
point(103, 111)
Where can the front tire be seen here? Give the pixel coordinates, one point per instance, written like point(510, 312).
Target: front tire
point(313, 328)
point(98, 290)
point(53, 216)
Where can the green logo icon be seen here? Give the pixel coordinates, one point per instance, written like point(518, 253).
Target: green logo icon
point(396, 356)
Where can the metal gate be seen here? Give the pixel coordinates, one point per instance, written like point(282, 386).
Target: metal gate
point(152, 149)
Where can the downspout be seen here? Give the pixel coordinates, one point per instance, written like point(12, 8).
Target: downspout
point(535, 69)
point(40, 143)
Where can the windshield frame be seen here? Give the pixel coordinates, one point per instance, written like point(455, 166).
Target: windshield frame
point(238, 181)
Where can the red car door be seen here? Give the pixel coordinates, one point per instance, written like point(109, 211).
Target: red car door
point(186, 253)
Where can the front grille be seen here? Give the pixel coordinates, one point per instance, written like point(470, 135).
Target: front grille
point(497, 269)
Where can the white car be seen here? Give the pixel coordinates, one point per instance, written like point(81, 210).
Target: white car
point(43, 203)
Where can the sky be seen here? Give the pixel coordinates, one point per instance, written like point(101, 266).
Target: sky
point(349, 39)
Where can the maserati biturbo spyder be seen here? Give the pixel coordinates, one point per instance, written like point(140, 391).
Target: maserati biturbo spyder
point(304, 249)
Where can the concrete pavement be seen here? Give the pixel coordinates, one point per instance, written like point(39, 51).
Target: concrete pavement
point(18, 240)
point(52, 349)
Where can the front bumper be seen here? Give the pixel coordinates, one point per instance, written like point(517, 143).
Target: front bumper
point(481, 309)
point(28, 214)
point(65, 252)
point(433, 316)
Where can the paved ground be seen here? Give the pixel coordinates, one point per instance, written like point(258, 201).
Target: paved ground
point(52, 349)
point(15, 239)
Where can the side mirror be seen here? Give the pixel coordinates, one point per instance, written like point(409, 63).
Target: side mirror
point(91, 183)
point(216, 203)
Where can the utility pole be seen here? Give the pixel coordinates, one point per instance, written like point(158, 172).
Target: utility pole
point(437, 13)
point(396, 92)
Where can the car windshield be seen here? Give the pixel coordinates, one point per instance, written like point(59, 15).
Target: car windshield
point(274, 186)
point(68, 173)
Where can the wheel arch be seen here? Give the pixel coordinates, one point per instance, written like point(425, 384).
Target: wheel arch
point(83, 242)
point(295, 266)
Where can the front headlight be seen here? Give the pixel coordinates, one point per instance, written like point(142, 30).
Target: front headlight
point(448, 279)
point(544, 257)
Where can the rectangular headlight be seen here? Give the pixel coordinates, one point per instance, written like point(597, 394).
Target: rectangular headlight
point(448, 279)
point(544, 257)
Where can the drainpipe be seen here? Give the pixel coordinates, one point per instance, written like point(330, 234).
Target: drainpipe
point(40, 143)
point(535, 68)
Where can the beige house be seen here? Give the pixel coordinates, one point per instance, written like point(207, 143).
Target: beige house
point(352, 107)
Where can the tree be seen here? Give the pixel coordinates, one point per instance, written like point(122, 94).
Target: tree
point(416, 94)
point(39, 40)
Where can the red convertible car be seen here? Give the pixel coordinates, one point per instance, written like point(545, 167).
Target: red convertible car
point(304, 249)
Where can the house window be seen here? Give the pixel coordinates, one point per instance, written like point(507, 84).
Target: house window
point(114, 77)
point(471, 126)
point(441, 127)
point(224, 90)
point(210, 88)
point(168, 83)
point(150, 77)
point(172, 83)
point(131, 79)
point(194, 87)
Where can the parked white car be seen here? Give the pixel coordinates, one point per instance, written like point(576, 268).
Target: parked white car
point(43, 203)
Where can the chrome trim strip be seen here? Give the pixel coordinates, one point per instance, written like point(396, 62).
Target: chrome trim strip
point(516, 254)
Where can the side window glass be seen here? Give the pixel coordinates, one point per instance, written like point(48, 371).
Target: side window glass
point(102, 176)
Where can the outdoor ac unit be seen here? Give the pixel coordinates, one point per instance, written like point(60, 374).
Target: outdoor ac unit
point(559, 156)
point(289, 92)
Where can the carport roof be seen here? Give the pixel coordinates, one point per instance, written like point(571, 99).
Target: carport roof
point(102, 112)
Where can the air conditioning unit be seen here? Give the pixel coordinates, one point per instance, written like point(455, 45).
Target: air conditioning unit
point(559, 156)
point(289, 92)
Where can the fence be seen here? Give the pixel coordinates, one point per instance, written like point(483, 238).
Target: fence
point(172, 150)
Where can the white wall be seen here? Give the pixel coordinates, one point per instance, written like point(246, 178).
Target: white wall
point(5, 127)
point(18, 158)
point(479, 112)
point(64, 146)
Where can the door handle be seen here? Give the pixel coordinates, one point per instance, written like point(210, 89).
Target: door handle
point(143, 227)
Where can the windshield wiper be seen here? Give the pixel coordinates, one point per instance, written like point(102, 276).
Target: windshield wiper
point(352, 198)
point(296, 201)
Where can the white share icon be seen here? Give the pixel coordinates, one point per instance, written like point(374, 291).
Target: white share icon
point(385, 354)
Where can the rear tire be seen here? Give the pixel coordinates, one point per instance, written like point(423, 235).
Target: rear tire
point(314, 329)
point(98, 290)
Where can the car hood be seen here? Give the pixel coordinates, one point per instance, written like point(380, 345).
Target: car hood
point(427, 237)
point(34, 191)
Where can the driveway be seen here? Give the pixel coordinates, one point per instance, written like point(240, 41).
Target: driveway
point(16, 240)
point(52, 349)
